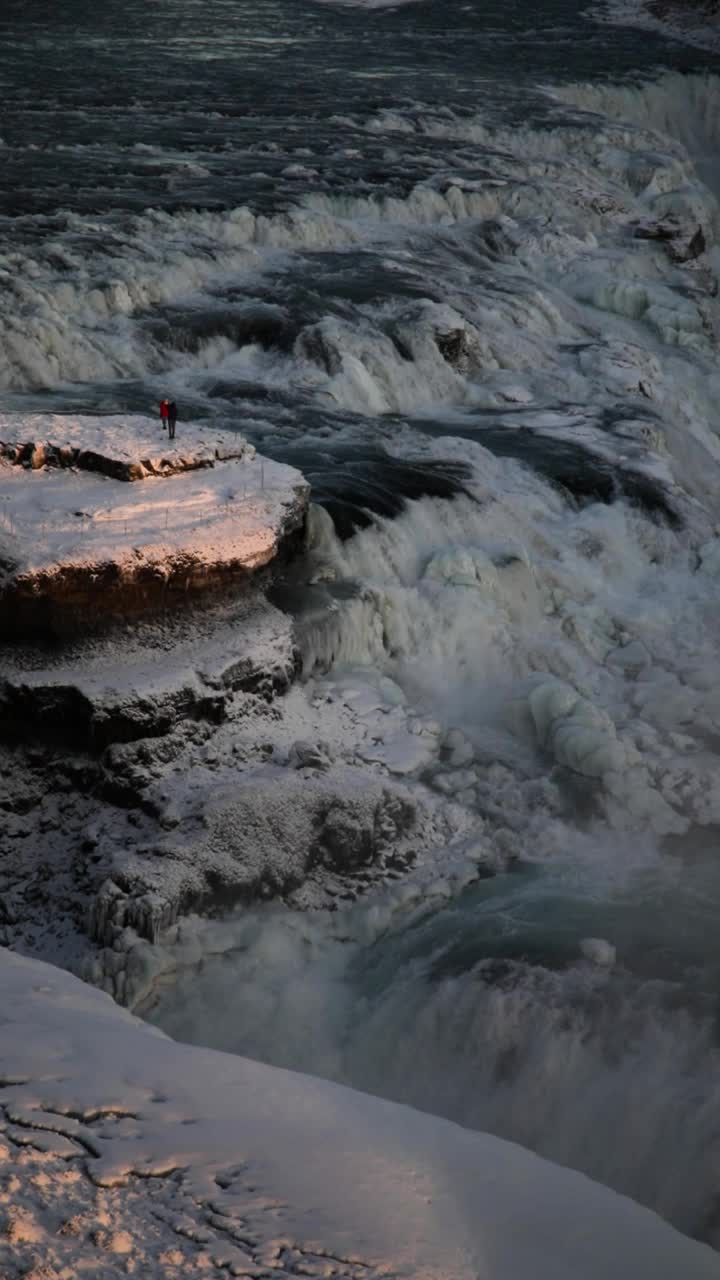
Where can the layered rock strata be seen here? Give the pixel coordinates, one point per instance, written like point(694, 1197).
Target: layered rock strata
point(162, 773)
point(147, 681)
point(122, 447)
point(166, 764)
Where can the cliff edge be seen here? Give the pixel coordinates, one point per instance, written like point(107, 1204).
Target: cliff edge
point(105, 520)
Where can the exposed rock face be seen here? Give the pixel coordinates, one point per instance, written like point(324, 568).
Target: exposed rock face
point(112, 449)
point(261, 838)
point(687, 251)
point(151, 770)
point(454, 347)
point(39, 454)
point(158, 772)
point(120, 689)
point(682, 243)
point(72, 600)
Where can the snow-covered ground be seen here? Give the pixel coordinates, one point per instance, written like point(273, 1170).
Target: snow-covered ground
point(127, 437)
point(125, 1153)
point(53, 519)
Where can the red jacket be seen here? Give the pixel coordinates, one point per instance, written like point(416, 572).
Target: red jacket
point(163, 408)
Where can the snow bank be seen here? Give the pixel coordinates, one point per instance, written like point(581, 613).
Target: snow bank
point(129, 1152)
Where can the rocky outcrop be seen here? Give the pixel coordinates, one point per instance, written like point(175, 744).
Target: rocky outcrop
point(36, 454)
point(261, 838)
point(121, 689)
point(163, 774)
point(82, 552)
point(64, 713)
point(127, 449)
point(454, 346)
point(682, 243)
point(73, 599)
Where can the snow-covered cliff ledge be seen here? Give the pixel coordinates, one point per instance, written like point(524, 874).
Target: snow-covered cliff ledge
point(105, 519)
point(166, 766)
point(126, 1153)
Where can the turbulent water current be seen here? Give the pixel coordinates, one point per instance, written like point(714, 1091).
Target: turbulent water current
point(415, 250)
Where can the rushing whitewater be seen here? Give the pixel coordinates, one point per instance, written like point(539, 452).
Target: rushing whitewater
point(569, 645)
point(463, 272)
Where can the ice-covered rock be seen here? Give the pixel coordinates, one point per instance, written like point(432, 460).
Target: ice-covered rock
point(462, 755)
point(260, 835)
point(400, 752)
point(632, 658)
point(464, 567)
point(89, 550)
point(590, 627)
point(501, 573)
point(457, 749)
point(641, 803)
point(709, 555)
point(579, 735)
point(309, 755)
point(599, 951)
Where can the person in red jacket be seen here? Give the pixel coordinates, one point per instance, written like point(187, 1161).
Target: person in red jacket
point(164, 411)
